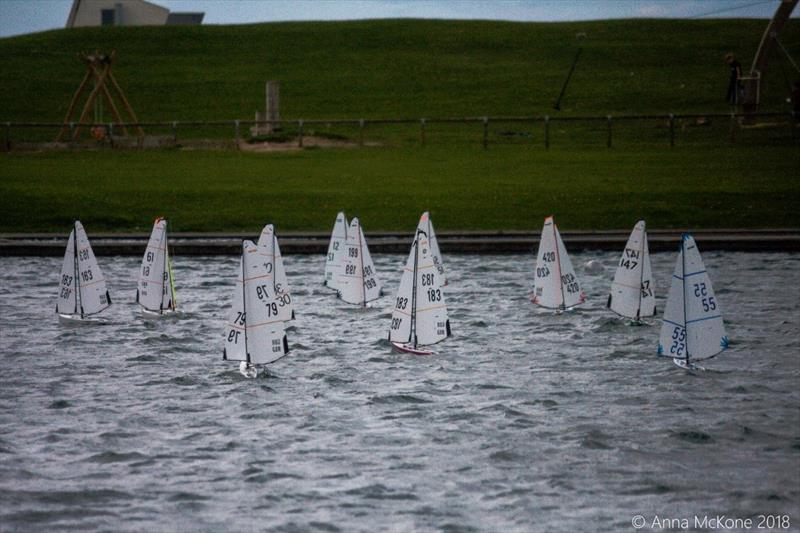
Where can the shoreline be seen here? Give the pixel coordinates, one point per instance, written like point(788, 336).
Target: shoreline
point(468, 242)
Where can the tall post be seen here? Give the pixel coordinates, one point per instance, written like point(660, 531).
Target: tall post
point(273, 105)
point(485, 132)
point(422, 131)
point(608, 138)
point(546, 132)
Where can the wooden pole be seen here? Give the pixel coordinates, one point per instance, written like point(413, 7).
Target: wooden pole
point(300, 133)
point(92, 95)
point(74, 102)
point(125, 103)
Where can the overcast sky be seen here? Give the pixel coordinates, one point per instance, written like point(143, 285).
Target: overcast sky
point(26, 16)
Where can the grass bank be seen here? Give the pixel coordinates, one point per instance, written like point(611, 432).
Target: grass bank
point(505, 187)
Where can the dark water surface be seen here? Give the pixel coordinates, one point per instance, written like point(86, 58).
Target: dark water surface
point(524, 421)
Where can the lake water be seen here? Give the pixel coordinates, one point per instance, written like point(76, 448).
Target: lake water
point(523, 421)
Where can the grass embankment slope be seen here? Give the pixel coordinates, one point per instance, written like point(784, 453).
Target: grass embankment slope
point(394, 68)
point(403, 68)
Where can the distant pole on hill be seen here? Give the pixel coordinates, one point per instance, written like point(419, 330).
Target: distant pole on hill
point(557, 105)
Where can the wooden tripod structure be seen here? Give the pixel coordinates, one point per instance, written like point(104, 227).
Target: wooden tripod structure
point(98, 69)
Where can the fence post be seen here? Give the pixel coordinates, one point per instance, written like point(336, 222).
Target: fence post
point(422, 131)
point(546, 132)
point(110, 134)
point(733, 127)
point(236, 133)
point(672, 130)
point(608, 138)
point(300, 133)
point(71, 131)
point(485, 132)
point(8, 137)
point(361, 132)
point(175, 131)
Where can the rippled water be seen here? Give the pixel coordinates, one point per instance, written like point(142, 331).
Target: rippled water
point(523, 421)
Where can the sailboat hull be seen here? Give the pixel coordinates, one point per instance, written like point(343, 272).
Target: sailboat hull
point(155, 315)
point(247, 370)
point(405, 348)
point(682, 363)
point(77, 320)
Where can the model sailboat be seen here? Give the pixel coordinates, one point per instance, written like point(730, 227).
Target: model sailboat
point(155, 292)
point(268, 243)
point(632, 293)
point(692, 328)
point(82, 292)
point(426, 225)
point(556, 286)
point(357, 282)
point(419, 317)
point(333, 261)
point(255, 332)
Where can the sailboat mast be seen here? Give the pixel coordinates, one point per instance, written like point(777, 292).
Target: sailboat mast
point(163, 272)
point(77, 270)
point(244, 308)
point(412, 332)
point(641, 272)
point(683, 281)
point(361, 258)
point(558, 263)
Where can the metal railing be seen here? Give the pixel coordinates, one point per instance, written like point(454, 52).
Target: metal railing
point(546, 122)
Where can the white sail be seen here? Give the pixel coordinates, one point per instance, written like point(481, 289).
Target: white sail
point(94, 296)
point(67, 293)
point(420, 311)
point(153, 276)
point(357, 281)
point(169, 300)
point(692, 326)
point(632, 293)
point(333, 261)
point(555, 286)
point(255, 329)
point(426, 225)
point(268, 243)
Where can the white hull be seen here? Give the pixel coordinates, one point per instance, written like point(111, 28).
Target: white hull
point(406, 348)
point(247, 370)
point(681, 363)
point(77, 319)
point(155, 315)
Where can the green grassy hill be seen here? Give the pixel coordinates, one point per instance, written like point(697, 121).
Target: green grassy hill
point(394, 68)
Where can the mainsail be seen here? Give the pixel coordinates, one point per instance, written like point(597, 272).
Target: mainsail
point(419, 316)
point(268, 244)
point(632, 292)
point(255, 329)
point(333, 261)
point(692, 327)
point(156, 290)
point(426, 225)
point(555, 286)
point(357, 281)
point(82, 288)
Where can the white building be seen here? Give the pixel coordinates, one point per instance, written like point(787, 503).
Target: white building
point(125, 13)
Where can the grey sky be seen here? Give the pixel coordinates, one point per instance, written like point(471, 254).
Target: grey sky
point(26, 16)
